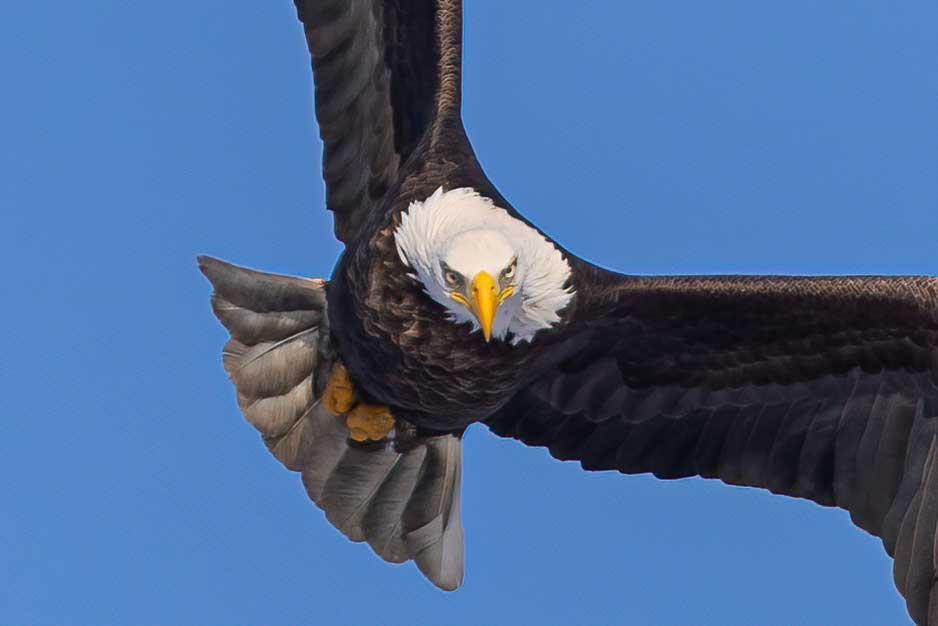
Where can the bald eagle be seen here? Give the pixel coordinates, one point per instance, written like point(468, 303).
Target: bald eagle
point(448, 308)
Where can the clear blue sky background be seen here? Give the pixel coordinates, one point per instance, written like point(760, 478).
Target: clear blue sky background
point(652, 137)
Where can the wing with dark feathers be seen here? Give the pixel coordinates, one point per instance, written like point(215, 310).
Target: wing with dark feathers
point(386, 72)
point(403, 499)
point(819, 388)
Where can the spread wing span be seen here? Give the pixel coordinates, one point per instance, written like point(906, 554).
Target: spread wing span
point(381, 83)
point(405, 502)
point(819, 388)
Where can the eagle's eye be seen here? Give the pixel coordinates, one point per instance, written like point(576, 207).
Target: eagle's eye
point(452, 278)
point(509, 272)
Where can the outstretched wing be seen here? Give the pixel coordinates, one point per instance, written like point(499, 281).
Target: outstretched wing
point(386, 71)
point(403, 500)
point(820, 388)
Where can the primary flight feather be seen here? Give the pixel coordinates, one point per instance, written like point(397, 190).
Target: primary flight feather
point(448, 308)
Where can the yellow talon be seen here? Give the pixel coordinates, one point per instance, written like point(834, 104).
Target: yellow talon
point(339, 396)
point(369, 422)
point(364, 421)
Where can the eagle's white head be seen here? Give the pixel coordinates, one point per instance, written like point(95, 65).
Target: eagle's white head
point(486, 267)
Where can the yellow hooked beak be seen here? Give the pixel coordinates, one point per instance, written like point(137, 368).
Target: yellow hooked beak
point(484, 300)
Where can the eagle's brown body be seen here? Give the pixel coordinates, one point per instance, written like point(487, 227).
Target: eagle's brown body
point(387, 329)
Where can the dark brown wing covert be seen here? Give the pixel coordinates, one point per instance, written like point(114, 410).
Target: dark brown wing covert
point(381, 83)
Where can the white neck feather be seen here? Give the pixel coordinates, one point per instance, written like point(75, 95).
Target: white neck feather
point(428, 228)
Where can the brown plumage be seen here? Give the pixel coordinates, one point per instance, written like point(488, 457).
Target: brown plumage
point(817, 387)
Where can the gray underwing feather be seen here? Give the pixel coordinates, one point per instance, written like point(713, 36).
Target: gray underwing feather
point(431, 519)
point(404, 503)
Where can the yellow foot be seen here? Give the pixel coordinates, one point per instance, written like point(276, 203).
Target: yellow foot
point(369, 422)
point(365, 422)
point(339, 396)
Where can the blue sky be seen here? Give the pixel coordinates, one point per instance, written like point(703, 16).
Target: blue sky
point(680, 137)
